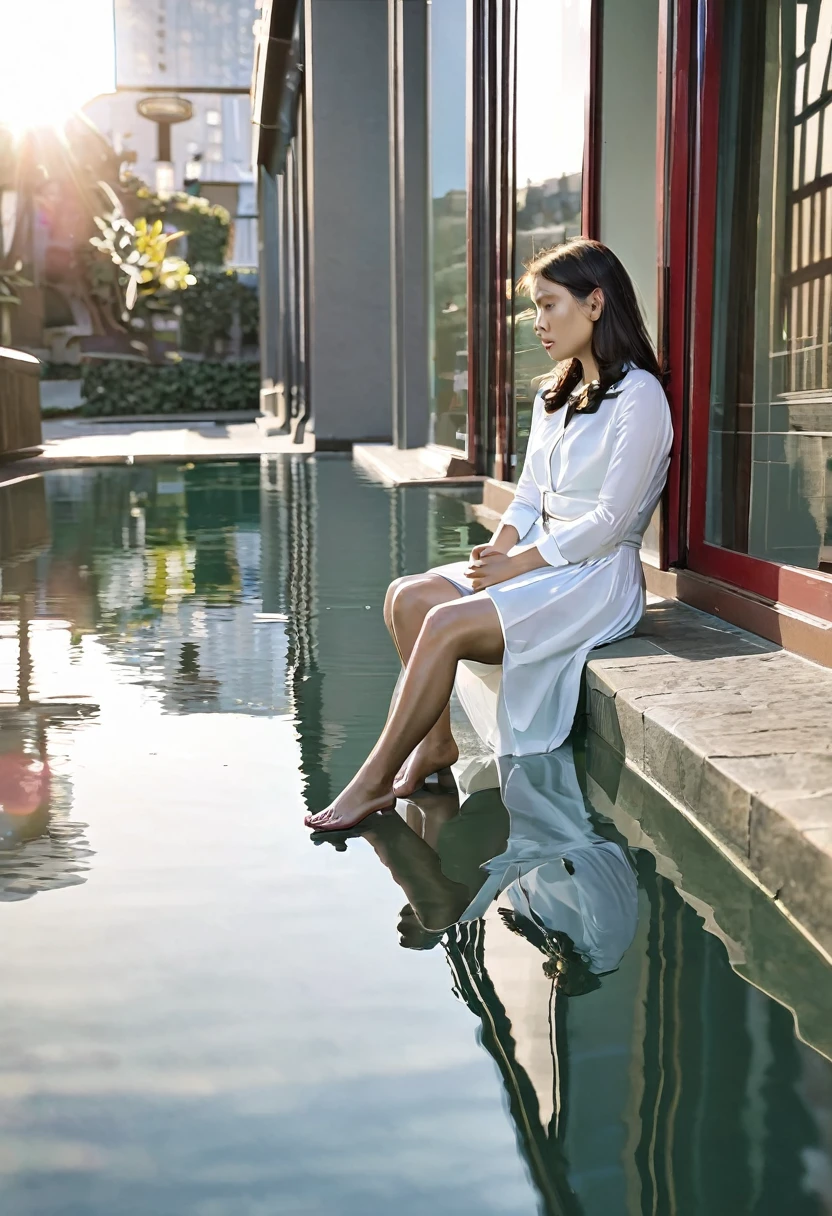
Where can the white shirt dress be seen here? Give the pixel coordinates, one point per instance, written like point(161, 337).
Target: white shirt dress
point(584, 499)
point(595, 898)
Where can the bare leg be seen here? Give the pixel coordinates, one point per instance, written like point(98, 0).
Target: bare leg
point(436, 899)
point(427, 811)
point(408, 602)
point(465, 629)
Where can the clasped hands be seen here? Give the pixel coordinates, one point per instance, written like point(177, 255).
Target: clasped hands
point(489, 565)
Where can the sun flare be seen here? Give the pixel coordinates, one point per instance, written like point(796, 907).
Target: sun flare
point(57, 55)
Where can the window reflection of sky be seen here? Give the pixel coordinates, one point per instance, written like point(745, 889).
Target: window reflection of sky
point(552, 56)
point(448, 43)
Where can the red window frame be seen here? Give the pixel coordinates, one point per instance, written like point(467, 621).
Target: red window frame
point(805, 590)
point(674, 216)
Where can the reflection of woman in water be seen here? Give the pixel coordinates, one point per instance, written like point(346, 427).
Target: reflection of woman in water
point(561, 574)
point(567, 890)
point(557, 883)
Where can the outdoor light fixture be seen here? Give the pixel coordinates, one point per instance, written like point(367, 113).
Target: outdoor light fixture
point(165, 111)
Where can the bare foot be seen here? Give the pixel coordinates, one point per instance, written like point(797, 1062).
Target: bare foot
point(358, 800)
point(423, 761)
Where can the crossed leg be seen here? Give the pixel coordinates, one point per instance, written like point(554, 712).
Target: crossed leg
point(408, 602)
point(466, 628)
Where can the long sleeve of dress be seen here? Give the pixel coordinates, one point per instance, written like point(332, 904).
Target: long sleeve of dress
point(638, 462)
point(525, 510)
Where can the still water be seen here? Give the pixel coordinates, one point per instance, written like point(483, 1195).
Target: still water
point(538, 992)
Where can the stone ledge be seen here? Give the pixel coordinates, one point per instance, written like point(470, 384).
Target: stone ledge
point(739, 733)
point(762, 945)
point(413, 466)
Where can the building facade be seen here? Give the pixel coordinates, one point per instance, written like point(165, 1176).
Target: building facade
point(411, 156)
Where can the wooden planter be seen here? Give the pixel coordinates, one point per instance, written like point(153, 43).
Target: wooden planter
point(20, 426)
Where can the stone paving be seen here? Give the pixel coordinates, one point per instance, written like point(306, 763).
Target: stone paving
point(82, 441)
point(739, 734)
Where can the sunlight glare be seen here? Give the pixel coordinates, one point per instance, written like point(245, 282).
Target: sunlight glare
point(57, 55)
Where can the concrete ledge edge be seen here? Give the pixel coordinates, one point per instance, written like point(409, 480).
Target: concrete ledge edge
point(734, 738)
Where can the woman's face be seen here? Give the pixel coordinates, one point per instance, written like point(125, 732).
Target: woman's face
point(564, 324)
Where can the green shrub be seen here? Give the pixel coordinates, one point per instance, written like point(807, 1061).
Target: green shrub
point(208, 307)
point(206, 225)
point(120, 388)
point(60, 371)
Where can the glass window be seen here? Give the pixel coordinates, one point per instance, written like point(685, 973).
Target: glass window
point(550, 109)
point(449, 223)
point(770, 440)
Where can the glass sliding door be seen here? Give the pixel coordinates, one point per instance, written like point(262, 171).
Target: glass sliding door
point(449, 222)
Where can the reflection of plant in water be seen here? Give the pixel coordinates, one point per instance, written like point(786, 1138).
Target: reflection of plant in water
point(137, 541)
point(168, 574)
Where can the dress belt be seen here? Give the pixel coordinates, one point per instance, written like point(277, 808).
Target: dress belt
point(631, 542)
point(550, 501)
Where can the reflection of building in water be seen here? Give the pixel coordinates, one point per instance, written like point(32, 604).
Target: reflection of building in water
point(325, 540)
point(669, 1086)
point(41, 848)
point(152, 560)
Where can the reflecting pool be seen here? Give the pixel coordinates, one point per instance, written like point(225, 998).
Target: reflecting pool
point(537, 991)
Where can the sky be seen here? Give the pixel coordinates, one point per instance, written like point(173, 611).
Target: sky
point(57, 54)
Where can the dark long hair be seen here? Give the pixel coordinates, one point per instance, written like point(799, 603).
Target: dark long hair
point(619, 336)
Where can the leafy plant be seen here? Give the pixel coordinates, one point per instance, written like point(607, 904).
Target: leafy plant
point(206, 225)
point(60, 371)
point(11, 280)
point(112, 388)
point(210, 308)
point(140, 253)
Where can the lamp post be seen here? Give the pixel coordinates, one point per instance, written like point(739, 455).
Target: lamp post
point(193, 173)
point(165, 112)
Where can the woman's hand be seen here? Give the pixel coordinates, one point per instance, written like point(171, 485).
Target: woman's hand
point(479, 551)
point(489, 565)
